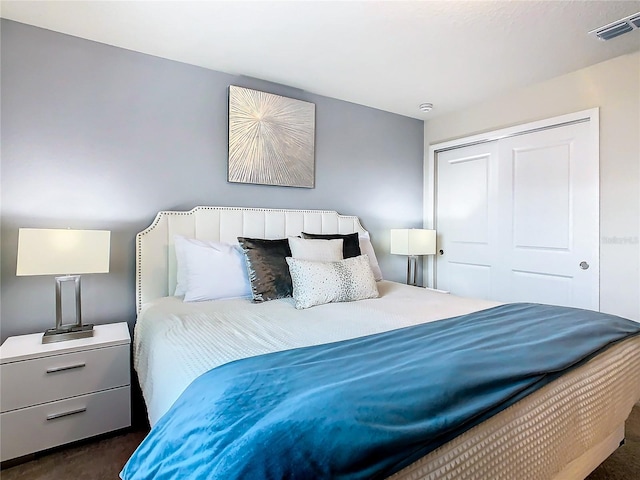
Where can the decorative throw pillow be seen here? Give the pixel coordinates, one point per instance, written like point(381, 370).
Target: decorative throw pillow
point(267, 267)
point(210, 270)
point(316, 250)
point(316, 283)
point(367, 248)
point(350, 247)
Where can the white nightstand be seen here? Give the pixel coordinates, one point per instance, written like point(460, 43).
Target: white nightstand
point(58, 393)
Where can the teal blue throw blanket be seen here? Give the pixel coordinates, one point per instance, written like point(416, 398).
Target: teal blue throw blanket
point(365, 408)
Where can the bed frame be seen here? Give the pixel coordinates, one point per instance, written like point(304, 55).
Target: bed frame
point(156, 272)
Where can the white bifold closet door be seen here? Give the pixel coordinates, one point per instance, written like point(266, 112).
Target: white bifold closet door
point(517, 218)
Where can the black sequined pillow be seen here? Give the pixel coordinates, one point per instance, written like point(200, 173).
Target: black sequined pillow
point(350, 244)
point(267, 267)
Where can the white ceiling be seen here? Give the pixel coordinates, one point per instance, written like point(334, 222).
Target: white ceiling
point(389, 55)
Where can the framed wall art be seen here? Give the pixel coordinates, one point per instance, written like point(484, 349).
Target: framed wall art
point(271, 139)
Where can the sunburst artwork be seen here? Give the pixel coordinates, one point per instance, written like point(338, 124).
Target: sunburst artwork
point(271, 139)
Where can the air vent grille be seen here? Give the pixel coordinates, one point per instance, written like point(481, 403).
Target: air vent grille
point(617, 28)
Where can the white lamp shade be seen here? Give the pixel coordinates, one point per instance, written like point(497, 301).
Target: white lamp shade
point(60, 252)
point(413, 241)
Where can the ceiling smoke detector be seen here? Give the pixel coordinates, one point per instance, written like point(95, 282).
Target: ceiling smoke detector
point(425, 107)
point(617, 28)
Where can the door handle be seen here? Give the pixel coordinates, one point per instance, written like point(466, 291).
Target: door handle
point(584, 265)
point(441, 252)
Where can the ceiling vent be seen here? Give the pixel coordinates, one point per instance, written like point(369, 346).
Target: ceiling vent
point(617, 28)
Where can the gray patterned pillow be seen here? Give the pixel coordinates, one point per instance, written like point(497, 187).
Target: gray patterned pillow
point(315, 283)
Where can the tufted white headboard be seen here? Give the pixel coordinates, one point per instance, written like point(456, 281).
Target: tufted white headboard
point(155, 254)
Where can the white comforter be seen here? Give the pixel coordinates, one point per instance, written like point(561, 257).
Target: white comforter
point(175, 342)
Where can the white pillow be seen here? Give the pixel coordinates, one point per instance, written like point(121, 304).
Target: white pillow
point(209, 270)
point(316, 249)
point(316, 283)
point(367, 249)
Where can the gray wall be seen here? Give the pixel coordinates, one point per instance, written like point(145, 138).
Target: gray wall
point(100, 137)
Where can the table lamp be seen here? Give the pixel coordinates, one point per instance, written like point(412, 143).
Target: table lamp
point(413, 242)
point(67, 253)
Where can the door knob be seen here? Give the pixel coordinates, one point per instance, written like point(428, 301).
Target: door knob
point(584, 265)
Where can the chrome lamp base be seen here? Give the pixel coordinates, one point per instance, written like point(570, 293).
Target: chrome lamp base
point(67, 332)
point(412, 270)
point(72, 331)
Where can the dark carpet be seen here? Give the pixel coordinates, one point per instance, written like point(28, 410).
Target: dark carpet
point(103, 460)
point(97, 460)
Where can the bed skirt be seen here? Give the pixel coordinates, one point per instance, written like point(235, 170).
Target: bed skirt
point(546, 435)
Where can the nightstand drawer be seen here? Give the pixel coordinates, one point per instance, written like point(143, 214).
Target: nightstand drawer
point(34, 382)
point(32, 429)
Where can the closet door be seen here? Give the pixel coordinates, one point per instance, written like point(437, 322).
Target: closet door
point(542, 240)
point(466, 212)
point(549, 217)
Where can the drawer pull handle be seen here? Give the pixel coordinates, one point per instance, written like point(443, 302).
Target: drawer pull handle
point(53, 416)
point(67, 367)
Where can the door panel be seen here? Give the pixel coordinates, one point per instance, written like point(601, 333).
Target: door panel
point(466, 211)
point(468, 178)
point(549, 212)
point(539, 287)
point(469, 280)
point(541, 197)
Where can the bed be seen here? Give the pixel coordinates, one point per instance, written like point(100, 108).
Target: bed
point(562, 430)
